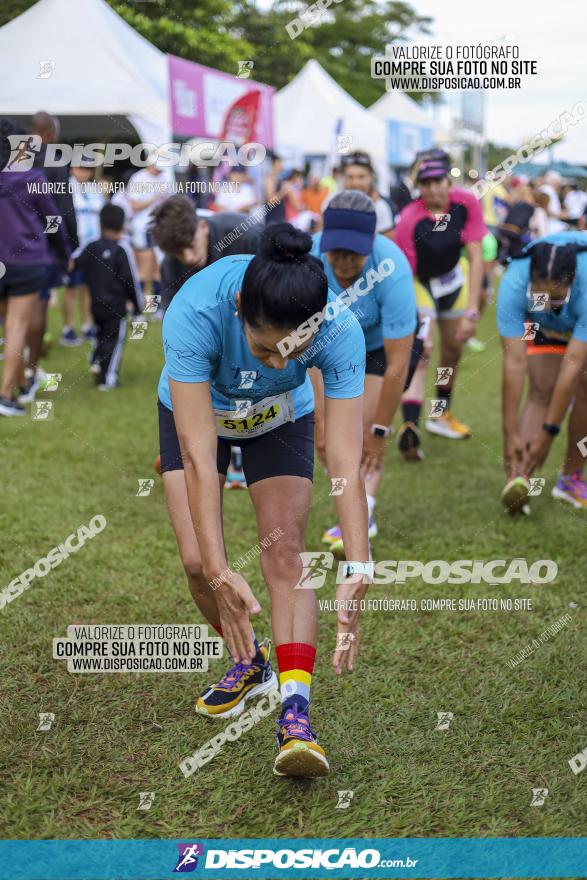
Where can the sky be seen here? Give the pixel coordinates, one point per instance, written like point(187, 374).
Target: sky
point(554, 34)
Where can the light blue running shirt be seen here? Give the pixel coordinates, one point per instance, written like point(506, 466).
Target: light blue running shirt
point(388, 311)
point(513, 303)
point(204, 341)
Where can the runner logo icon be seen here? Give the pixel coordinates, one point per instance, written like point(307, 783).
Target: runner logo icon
point(188, 857)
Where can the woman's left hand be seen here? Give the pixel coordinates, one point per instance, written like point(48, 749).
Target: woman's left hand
point(466, 329)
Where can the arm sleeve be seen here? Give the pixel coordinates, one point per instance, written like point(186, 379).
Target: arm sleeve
point(511, 300)
point(396, 297)
point(474, 228)
point(341, 360)
point(191, 341)
point(404, 237)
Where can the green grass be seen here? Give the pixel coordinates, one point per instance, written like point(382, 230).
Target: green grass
point(118, 734)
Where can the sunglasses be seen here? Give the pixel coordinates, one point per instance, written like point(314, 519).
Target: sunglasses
point(357, 159)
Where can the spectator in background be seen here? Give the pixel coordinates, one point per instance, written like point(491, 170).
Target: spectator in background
point(359, 173)
point(87, 204)
point(539, 219)
point(575, 205)
point(109, 268)
point(201, 194)
point(551, 186)
point(48, 129)
point(314, 194)
point(333, 181)
point(241, 196)
point(26, 252)
point(273, 189)
point(293, 200)
point(190, 243)
point(146, 189)
point(515, 231)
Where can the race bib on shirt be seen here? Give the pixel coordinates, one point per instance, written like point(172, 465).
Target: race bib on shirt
point(448, 283)
point(255, 419)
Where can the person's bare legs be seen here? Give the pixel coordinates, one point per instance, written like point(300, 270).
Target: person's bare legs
point(37, 327)
point(181, 519)
point(542, 375)
point(415, 392)
point(294, 613)
point(70, 295)
point(18, 318)
point(451, 349)
point(86, 306)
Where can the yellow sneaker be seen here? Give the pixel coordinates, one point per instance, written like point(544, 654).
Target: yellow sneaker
point(298, 752)
point(447, 426)
point(227, 698)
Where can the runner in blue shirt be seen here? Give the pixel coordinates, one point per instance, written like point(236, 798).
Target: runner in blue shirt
point(233, 338)
point(542, 320)
point(373, 274)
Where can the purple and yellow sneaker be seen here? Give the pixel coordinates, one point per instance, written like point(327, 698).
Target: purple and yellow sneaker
point(333, 536)
point(228, 697)
point(571, 488)
point(298, 752)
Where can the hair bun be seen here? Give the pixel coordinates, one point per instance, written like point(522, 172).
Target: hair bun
point(283, 243)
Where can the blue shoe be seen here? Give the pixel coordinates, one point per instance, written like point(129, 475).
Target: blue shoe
point(70, 337)
point(89, 334)
point(28, 392)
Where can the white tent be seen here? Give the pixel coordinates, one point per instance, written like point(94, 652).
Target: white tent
point(396, 105)
point(308, 109)
point(94, 64)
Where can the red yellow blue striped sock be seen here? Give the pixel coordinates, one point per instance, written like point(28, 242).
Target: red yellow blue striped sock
point(296, 664)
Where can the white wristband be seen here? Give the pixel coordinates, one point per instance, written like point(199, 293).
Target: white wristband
point(350, 569)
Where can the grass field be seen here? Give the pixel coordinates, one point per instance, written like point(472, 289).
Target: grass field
point(115, 735)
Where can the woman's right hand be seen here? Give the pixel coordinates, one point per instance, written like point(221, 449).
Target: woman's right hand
point(235, 601)
point(512, 455)
point(320, 441)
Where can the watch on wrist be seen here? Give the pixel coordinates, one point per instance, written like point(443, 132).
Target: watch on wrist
point(553, 430)
point(473, 314)
point(380, 431)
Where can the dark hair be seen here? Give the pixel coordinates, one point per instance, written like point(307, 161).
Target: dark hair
point(112, 217)
point(552, 262)
point(358, 158)
point(174, 224)
point(283, 285)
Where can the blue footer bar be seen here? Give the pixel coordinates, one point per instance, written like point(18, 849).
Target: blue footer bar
point(542, 857)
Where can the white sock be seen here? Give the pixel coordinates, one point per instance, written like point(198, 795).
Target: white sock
point(371, 502)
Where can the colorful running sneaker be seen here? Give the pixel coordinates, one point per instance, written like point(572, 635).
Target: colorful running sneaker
point(227, 698)
point(514, 496)
point(235, 480)
point(571, 488)
point(333, 536)
point(409, 441)
point(447, 426)
point(298, 752)
point(475, 345)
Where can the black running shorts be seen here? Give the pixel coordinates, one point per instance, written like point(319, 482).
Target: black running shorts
point(376, 362)
point(287, 451)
